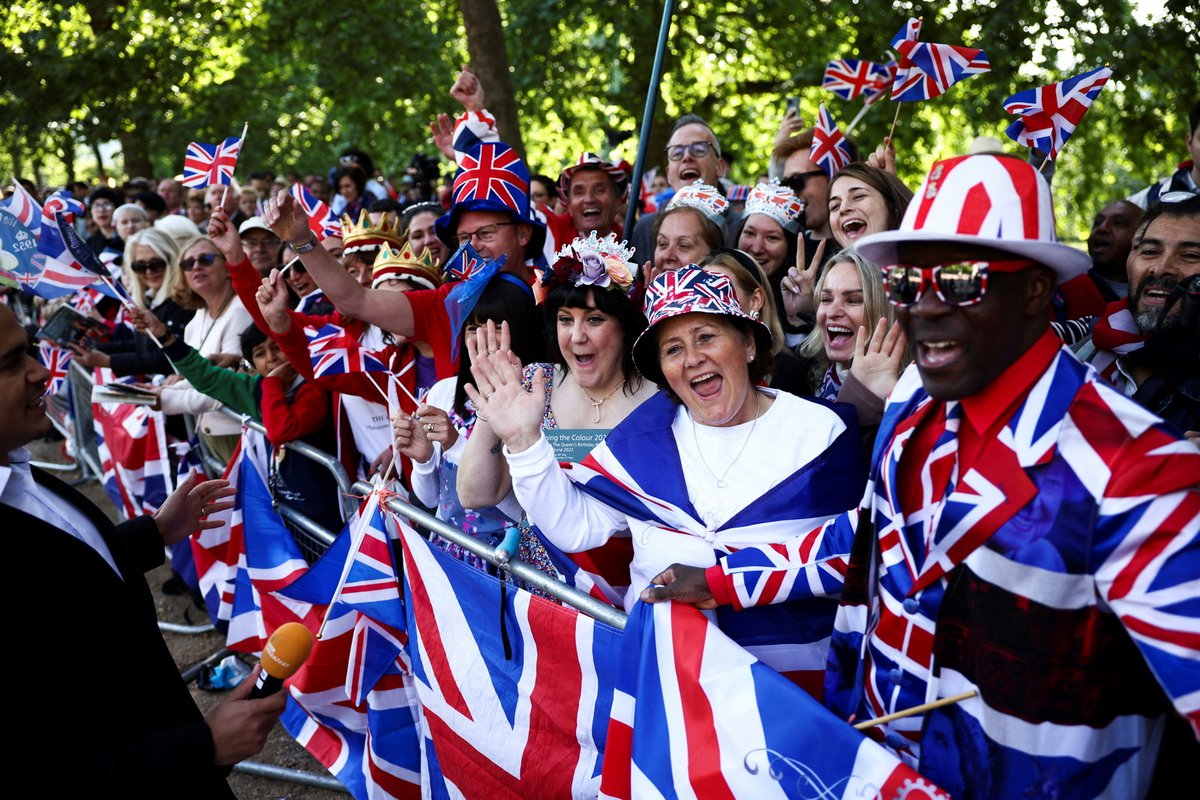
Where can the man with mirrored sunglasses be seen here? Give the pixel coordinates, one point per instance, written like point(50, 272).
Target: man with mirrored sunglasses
point(1028, 534)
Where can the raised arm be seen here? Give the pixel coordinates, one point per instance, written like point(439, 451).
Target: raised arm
point(483, 478)
point(389, 310)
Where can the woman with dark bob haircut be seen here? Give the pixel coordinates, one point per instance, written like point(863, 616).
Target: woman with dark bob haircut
point(591, 381)
point(864, 199)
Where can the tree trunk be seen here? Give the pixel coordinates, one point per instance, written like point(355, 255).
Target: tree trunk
point(14, 153)
point(489, 60)
point(100, 174)
point(68, 156)
point(137, 154)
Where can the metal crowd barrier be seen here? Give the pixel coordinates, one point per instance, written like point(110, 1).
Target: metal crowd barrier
point(568, 595)
point(72, 416)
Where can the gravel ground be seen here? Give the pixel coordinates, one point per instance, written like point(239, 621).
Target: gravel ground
point(189, 649)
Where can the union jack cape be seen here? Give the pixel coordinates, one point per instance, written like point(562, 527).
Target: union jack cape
point(1046, 117)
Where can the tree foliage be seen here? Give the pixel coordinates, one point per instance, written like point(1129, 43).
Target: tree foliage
point(311, 78)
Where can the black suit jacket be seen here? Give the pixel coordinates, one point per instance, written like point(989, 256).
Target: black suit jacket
point(94, 703)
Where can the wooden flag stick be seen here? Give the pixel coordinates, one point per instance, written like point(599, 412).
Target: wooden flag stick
point(921, 709)
point(241, 142)
point(895, 119)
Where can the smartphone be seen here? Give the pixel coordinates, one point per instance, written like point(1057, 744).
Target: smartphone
point(793, 104)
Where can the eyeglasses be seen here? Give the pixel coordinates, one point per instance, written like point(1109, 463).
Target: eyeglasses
point(961, 284)
point(203, 260)
point(797, 182)
point(695, 149)
point(263, 243)
point(102, 205)
point(485, 234)
point(150, 265)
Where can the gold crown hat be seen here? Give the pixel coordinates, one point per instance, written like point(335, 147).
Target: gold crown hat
point(403, 264)
point(362, 234)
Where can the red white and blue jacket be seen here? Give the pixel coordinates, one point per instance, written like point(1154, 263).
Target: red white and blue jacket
point(1058, 577)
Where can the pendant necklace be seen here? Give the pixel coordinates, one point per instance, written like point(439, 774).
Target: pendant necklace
point(597, 403)
point(721, 482)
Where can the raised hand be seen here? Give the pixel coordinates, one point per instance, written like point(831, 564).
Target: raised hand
point(272, 300)
point(467, 90)
point(442, 129)
point(225, 236)
point(877, 358)
point(791, 125)
point(187, 508)
point(500, 399)
point(800, 284)
point(884, 157)
point(286, 219)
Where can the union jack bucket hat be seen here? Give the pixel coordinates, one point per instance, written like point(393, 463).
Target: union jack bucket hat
point(991, 201)
point(689, 290)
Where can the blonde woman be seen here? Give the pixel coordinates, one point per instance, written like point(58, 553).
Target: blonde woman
point(148, 267)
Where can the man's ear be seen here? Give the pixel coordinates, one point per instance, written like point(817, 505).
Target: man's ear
point(524, 233)
point(1039, 291)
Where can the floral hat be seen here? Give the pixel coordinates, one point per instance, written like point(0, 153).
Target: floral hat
point(603, 263)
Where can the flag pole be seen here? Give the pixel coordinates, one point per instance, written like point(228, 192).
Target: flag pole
point(241, 142)
point(895, 119)
point(639, 166)
point(908, 712)
point(857, 117)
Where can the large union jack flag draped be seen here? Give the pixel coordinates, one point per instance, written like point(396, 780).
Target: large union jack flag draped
point(926, 69)
point(335, 352)
point(1047, 117)
point(849, 78)
point(493, 171)
point(695, 715)
point(321, 219)
point(830, 150)
point(210, 163)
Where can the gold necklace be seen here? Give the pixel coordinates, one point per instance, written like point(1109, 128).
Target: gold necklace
point(721, 483)
point(597, 403)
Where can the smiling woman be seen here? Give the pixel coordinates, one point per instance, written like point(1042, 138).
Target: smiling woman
point(863, 200)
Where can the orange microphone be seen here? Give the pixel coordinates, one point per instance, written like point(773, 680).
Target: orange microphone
point(286, 650)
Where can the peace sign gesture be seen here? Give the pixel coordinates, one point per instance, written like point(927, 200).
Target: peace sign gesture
point(799, 285)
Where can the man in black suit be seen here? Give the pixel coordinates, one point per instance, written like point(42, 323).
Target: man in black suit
point(94, 703)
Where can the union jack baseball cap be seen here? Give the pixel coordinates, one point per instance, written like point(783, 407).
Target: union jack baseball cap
point(689, 290)
point(992, 201)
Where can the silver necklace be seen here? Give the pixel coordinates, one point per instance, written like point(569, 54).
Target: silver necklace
point(720, 479)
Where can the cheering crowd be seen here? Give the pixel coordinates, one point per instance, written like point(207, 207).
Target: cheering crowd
point(907, 445)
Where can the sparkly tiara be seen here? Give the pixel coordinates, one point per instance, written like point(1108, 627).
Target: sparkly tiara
point(704, 198)
point(603, 263)
point(777, 202)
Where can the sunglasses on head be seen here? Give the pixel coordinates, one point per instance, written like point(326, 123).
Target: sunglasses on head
point(797, 182)
point(958, 284)
point(150, 264)
point(203, 260)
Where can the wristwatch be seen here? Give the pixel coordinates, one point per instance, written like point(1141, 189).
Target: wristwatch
point(305, 247)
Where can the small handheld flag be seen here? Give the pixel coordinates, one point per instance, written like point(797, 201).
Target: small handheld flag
point(204, 164)
point(830, 151)
point(1046, 117)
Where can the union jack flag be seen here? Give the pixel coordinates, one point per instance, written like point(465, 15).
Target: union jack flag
point(881, 86)
point(210, 163)
point(848, 78)
point(493, 171)
point(695, 715)
point(528, 720)
point(19, 248)
point(909, 32)
point(464, 264)
point(830, 150)
point(335, 352)
point(132, 443)
point(58, 361)
point(1047, 117)
point(321, 220)
point(926, 70)
point(62, 202)
point(22, 206)
point(683, 291)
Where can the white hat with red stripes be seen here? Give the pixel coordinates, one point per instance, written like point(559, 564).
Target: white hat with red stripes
point(992, 201)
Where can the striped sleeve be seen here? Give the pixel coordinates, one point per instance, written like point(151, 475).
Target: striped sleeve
point(810, 565)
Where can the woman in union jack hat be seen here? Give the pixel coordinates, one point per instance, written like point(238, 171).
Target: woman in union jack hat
point(712, 462)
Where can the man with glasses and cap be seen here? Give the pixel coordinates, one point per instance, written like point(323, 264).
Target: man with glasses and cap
point(693, 156)
point(1028, 534)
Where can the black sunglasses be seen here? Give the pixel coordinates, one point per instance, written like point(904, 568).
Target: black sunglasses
point(204, 260)
point(149, 265)
point(797, 182)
